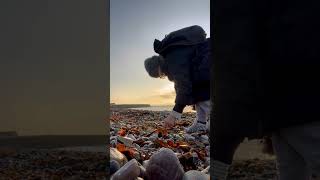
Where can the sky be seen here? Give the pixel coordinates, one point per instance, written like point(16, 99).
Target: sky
point(134, 24)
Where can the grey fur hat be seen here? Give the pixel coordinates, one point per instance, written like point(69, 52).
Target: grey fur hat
point(152, 64)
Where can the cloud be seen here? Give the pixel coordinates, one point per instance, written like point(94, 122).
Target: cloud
point(164, 98)
point(168, 95)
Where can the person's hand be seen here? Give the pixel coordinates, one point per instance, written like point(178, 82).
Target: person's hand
point(169, 121)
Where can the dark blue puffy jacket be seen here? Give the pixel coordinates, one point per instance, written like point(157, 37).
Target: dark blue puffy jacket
point(187, 65)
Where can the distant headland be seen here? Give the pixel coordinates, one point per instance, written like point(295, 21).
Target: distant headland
point(114, 105)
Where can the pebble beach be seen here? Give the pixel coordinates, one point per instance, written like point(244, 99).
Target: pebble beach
point(139, 135)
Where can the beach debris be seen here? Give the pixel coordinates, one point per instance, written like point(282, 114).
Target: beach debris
point(195, 175)
point(130, 170)
point(164, 165)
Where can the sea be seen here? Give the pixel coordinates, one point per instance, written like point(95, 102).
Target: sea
point(163, 108)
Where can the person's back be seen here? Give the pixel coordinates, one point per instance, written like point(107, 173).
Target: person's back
point(266, 66)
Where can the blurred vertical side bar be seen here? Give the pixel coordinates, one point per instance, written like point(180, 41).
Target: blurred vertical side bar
point(54, 72)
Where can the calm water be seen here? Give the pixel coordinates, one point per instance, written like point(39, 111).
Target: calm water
point(163, 108)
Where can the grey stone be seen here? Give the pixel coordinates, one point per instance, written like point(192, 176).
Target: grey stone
point(207, 161)
point(130, 170)
point(206, 170)
point(137, 146)
point(131, 137)
point(148, 142)
point(114, 166)
point(145, 163)
point(143, 172)
point(164, 165)
point(195, 175)
point(137, 155)
point(118, 156)
point(113, 143)
point(113, 138)
point(153, 137)
point(126, 141)
point(204, 139)
point(195, 157)
point(208, 150)
point(189, 137)
point(145, 138)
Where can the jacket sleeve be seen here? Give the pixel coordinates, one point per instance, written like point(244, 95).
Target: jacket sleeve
point(180, 68)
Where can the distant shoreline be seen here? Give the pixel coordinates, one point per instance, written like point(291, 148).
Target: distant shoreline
point(129, 105)
point(153, 108)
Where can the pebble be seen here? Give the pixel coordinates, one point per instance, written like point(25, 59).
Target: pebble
point(113, 143)
point(151, 145)
point(137, 155)
point(206, 170)
point(137, 146)
point(118, 156)
point(164, 165)
point(189, 137)
point(208, 150)
point(195, 158)
point(145, 163)
point(114, 166)
point(153, 137)
point(145, 138)
point(178, 154)
point(204, 139)
point(113, 138)
point(195, 175)
point(126, 141)
point(207, 161)
point(132, 137)
point(143, 172)
point(130, 169)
